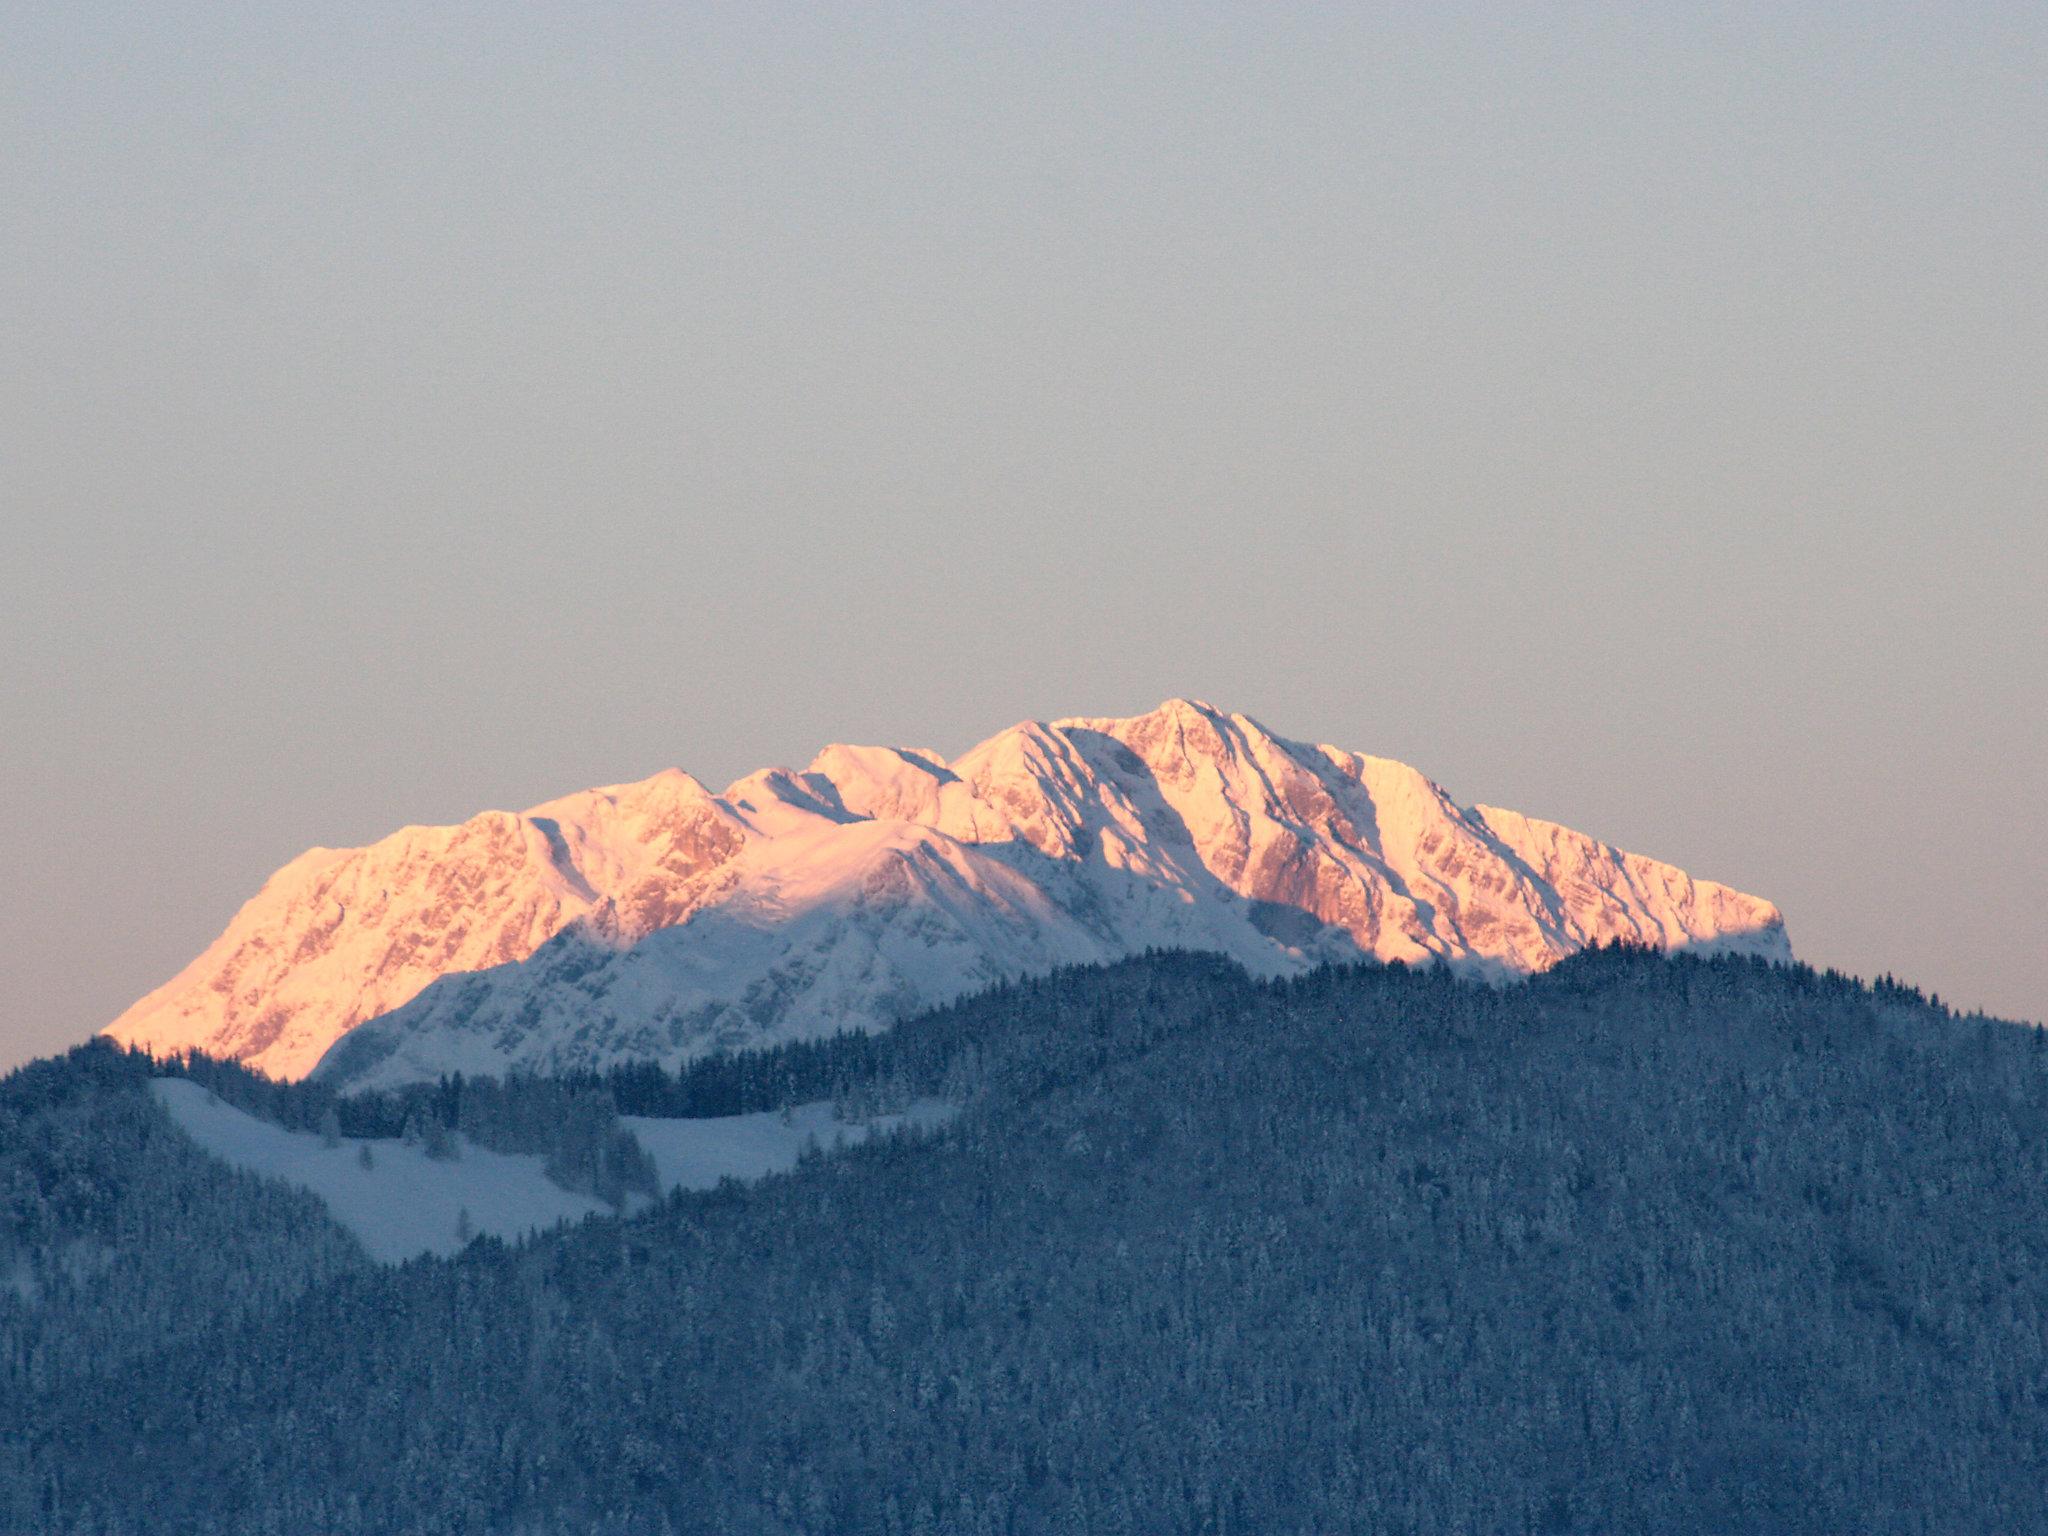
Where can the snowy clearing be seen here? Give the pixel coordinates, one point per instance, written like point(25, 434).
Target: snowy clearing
point(696, 1154)
point(407, 1203)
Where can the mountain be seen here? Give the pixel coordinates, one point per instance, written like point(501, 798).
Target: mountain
point(660, 920)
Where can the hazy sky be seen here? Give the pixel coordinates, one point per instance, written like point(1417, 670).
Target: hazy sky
point(1636, 416)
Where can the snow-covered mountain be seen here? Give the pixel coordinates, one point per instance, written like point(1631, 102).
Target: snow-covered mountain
point(661, 920)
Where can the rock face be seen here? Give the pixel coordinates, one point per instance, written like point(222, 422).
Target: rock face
point(660, 920)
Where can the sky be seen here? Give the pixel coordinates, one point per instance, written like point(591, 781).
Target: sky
point(1633, 415)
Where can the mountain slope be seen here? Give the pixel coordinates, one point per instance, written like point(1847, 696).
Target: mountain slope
point(1646, 1245)
point(660, 920)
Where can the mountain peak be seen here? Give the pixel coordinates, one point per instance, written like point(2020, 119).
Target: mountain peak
point(1177, 713)
point(879, 881)
point(1183, 709)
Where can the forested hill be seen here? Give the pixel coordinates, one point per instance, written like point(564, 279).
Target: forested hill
point(1642, 1244)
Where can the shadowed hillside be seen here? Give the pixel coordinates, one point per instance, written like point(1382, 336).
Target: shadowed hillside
point(1641, 1244)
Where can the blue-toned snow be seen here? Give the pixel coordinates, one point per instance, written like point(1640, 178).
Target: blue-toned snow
point(696, 1154)
point(407, 1203)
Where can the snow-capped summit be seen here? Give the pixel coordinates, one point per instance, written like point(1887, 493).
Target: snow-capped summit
point(661, 920)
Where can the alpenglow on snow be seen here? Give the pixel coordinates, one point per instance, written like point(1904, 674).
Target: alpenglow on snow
point(661, 921)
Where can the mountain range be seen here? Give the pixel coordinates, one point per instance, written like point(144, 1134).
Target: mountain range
point(660, 920)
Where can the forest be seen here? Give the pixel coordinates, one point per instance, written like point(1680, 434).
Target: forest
point(1644, 1243)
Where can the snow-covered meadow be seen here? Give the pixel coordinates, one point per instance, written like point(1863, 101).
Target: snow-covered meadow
point(400, 1203)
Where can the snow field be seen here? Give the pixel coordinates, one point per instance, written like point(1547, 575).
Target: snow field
point(406, 1203)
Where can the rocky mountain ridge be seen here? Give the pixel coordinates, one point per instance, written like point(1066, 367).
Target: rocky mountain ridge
point(661, 920)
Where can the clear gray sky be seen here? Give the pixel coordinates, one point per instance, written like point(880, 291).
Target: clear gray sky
point(1633, 415)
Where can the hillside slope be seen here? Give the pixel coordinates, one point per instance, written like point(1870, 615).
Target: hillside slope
point(1641, 1245)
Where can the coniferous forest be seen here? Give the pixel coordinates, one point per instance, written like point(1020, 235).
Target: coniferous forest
point(1640, 1244)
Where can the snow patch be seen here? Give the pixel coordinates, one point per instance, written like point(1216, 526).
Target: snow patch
point(406, 1203)
point(696, 1154)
